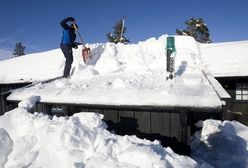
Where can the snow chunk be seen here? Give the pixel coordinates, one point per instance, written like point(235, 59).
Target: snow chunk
point(118, 83)
point(84, 72)
point(28, 103)
point(6, 145)
point(134, 153)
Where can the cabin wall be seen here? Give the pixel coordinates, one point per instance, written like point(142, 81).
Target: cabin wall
point(238, 108)
point(4, 105)
point(178, 123)
point(172, 127)
point(230, 85)
point(129, 121)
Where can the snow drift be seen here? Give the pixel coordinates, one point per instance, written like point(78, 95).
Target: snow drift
point(221, 144)
point(82, 141)
point(37, 140)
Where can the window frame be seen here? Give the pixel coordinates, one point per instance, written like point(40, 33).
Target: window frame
point(241, 92)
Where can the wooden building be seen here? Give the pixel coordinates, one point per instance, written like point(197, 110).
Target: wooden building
point(228, 62)
point(172, 126)
point(5, 89)
point(170, 121)
point(237, 87)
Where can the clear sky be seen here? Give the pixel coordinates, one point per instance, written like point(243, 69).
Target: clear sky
point(35, 23)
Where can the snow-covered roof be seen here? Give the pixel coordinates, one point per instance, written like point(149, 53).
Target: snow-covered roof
point(32, 67)
point(133, 74)
point(228, 59)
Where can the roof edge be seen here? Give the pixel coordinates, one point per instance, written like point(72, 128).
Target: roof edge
point(145, 108)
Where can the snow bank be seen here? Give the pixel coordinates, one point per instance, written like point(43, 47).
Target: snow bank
point(186, 44)
point(6, 146)
point(82, 141)
point(133, 58)
point(37, 140)
point(222, 144)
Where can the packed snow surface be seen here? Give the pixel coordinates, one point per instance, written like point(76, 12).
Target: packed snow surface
point(119, 74)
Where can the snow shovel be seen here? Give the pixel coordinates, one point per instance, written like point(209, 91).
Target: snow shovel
point(86, 53)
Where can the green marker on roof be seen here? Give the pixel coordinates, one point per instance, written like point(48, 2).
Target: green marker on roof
point(171, 44)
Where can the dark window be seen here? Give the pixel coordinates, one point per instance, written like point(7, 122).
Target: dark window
point(242, 91)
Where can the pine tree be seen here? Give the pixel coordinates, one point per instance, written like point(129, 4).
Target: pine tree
point(196, 28)
point(118, 33)
point(19, 49)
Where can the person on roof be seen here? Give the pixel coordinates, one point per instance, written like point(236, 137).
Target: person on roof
point(67, 43)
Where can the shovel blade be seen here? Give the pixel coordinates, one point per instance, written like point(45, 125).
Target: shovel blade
point(86, 54)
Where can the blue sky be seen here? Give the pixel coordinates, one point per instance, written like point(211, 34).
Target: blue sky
point(35, 23)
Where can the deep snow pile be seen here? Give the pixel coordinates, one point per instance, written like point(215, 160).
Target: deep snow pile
point(79, 141)
point(221, 144)
point(82, 141)
point(133, 74)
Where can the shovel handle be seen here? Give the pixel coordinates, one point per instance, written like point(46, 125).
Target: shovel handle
point(81, 38)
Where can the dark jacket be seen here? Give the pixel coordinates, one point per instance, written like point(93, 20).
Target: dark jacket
point(69, 35)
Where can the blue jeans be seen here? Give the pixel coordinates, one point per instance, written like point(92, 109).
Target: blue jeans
point(67, 51)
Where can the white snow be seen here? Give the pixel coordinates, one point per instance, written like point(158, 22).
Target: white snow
point(221, 144)
point(82, 141)
point(115, 72)
point(228, 59)
point(79, 141)
point(118, 74)
point(217, 86)
point(32, 67)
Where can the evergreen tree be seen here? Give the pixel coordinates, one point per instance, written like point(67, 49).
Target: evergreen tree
point(19, 49)
point(118, 33)
point(197, 29)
